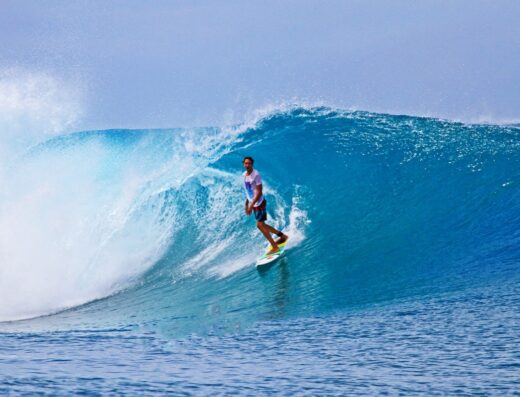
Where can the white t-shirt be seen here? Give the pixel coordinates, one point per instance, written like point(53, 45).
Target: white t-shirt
point(251, 181)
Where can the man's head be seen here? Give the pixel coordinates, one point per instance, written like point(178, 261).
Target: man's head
point(248, 163)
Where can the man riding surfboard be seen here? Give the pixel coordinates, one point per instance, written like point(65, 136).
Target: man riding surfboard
point(255, 203)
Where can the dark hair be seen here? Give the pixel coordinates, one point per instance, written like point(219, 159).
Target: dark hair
point(248, 158)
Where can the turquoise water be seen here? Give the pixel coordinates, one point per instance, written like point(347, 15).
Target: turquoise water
point(128, 264)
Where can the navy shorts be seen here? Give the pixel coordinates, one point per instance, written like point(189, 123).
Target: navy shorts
point(261, 212)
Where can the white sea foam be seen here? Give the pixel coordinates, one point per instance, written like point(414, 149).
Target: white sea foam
point(81, 220)
point(35, 106)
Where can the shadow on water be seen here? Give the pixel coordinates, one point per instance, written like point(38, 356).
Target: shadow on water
point(280, 287)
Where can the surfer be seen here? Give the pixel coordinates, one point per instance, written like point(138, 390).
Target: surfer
point(255, 203)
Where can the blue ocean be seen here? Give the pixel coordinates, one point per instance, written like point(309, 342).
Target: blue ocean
point(128, 264)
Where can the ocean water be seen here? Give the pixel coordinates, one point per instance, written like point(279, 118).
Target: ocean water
point(127, 264)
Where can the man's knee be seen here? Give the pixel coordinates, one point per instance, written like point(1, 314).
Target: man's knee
point(260, 225)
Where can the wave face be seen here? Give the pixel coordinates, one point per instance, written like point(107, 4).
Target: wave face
point(378, 207)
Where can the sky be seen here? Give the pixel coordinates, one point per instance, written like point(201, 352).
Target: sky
point(147, 64)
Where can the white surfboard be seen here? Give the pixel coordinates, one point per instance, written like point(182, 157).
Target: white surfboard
point(265, 259)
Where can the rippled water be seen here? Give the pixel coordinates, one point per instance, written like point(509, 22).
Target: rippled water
point(452, 344)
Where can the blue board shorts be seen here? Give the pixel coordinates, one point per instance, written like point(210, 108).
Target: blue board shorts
point(261, 212)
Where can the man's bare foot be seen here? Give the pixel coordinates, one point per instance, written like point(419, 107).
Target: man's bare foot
point(281, 239)
point(273, 251)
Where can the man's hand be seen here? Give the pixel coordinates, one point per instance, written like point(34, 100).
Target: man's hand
point(249, 209)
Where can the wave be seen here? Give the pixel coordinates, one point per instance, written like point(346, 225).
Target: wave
point(379, 207)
